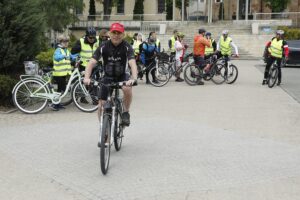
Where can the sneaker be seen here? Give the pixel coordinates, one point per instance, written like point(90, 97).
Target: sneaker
point(201, 83)
point(60, 106)
point(155, 81)
point(278, 83)
point(179, 79)
point(54, 107)
point(264, 82)
point(125, 119)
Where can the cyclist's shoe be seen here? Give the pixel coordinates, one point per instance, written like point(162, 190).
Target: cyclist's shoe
point(155, 81)
point(278, 83)
point(60, 106)
point(54, 107)
point(125, 119)
point(201, 83)
point(179, 79)
point(264, 82)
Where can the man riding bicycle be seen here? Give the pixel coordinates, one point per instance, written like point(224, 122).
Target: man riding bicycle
point(116, 54)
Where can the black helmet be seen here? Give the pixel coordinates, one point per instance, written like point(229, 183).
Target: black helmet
point(90, 31)
point(201, 30)
point(208, 34)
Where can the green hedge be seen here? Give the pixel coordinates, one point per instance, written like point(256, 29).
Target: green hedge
point(290, 33)
point(6, 86)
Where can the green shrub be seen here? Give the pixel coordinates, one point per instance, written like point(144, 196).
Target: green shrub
point(45, 58)
point(290, 33)
point(6, 86)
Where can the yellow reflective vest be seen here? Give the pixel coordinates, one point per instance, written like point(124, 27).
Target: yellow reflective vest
point(225, 46)
point(135, 46)
point(173, 44)
point(87, 51)
point(209, 50)
point(62, 67)
point(276, 48)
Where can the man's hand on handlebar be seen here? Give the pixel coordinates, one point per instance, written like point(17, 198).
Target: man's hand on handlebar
point(131, 82)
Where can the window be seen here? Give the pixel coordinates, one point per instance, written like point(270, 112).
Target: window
point(120, 7)
point(160, 6)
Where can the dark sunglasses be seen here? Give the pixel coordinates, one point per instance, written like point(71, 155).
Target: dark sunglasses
point(91, 37)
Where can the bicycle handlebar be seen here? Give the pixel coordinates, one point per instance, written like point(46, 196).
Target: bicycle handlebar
point(113, 84)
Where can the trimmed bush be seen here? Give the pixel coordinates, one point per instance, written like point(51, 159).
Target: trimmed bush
point(45, 58)
point(6, 86)
point(290, 33)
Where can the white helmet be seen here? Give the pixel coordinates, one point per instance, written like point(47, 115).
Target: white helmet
point(279, 32)
point(225, 32)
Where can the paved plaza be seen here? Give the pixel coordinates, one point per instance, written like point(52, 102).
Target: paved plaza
point(211, 142)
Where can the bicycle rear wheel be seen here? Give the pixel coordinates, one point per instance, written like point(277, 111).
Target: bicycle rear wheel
point(162, 75)
point(105, 144)
point(273, 75)
point(218, 74)
point(192, 74)
point(85, 97)
point(118, 131)
point(232, 74)
point(26, 99)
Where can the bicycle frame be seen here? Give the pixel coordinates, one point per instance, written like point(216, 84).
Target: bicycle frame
point(55, 97)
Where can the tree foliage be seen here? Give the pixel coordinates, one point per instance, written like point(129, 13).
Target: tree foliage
point(59, 14)
point(22, 29)
point(277, 5)
point(138, 9)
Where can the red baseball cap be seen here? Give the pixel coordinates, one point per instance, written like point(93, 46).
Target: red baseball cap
point(117, 27)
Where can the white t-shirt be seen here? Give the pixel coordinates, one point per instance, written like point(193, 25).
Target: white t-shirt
point(179, 53)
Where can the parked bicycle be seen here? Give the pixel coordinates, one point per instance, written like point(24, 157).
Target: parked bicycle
point(111, 127)
point(230, 70)
point(33, 93)
point(158, 68)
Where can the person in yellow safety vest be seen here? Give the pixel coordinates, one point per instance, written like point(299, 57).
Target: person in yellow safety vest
point(172, 43)
point(209, 51)
point(61, 66)
point(156, 40)
point(137, 41)
point(277, 47)
point(85, 47)
point(224, 46)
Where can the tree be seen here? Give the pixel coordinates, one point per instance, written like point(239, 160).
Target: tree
point(22, 28)
point(59, 14)
point(92, 10)
point(169, 9)
point(138, 9)
point(277, 5)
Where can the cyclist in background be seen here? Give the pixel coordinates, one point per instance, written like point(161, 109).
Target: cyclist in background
point(137, 41)
point(224, 46)
point(171, 43)
point(180, 49)
point(116, 55)
point(85, 47)
point(103, 36)
point(209, 51)
point(277, 47)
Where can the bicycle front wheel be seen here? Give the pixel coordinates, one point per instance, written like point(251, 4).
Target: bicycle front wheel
point(105, 144)
point(84, 97)
point(192, 75)
point(232, 74)
point(273, 75)
point(118, 131)
point(162, 75)
point(219, 72)
point(26, 96)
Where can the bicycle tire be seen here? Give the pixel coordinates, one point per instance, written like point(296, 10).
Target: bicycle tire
point(273, 75)
point(105, 144)
point(22, 99)
point(162, 76)
point(118, 129)
point(192, 75)
point(232, 74)
point(218, 74)
point(86, 102)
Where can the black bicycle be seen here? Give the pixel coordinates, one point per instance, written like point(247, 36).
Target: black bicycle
point(273, 72)
point(159, 69)
point(111, 127)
